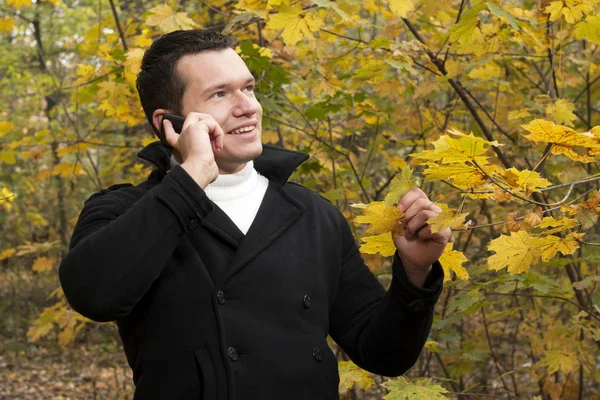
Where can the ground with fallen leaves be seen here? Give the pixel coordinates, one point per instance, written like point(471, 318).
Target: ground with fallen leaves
point(92, 367)
point(77, 372)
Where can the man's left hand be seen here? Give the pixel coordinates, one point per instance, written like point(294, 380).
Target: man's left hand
point(419, 248)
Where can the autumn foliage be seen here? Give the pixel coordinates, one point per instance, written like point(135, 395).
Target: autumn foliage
point(491, 107)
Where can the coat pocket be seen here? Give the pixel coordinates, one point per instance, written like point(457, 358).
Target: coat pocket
point(206, 371)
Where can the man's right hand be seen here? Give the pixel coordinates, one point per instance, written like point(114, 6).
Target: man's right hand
point(201, 137)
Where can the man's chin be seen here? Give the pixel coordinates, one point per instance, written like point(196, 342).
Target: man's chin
point(234, 163)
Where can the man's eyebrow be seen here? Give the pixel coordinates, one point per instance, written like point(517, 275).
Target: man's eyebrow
point(220, 86)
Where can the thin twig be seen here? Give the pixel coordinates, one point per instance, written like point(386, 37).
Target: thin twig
point(116, 16)
point(362, 175)
point(588, 243)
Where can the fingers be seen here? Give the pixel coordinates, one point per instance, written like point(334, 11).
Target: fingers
point(415, 201)
point(191, 139)
point(194, 117)
point(418, 223)
point(442, 236)
point(170, 135)
point(208, 124)
point(418, 209)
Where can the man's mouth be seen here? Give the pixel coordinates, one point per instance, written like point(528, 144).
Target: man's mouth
point(244, 129)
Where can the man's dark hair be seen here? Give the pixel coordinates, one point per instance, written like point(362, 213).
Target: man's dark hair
point(158, 83)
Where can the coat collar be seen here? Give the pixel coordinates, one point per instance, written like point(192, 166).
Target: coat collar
point(275, 163)
point(277, 213)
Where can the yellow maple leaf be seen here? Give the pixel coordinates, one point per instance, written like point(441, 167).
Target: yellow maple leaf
point(525, 180)
point(589, 29)
point(45, 322)
point(7, 253)
point(42, 264)
point(168, 20)
point(19, 3)
point(254, 5)
point(401, 7)
point(567, 245)
point(7, 24)
point(447, 219)
point(517, 114)
point(132, 64)
point(467, 32)
point(517, 252)
point(66, 169)
point(464, 148)
point(378, 244)
point(461, 175)
point(114, 98)
point(84, 73)
point(572, 10)
point(559, 360)
point(486, 72)
point(452, 260)
point(565, 139)
point(400, 185)
point(74, 148)
point(559, 224)
point(351, 375)
point(295, 23)
point(561, 112)
point(382, 218)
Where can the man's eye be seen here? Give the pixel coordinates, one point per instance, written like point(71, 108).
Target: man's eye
point(249, 88)
point(217, 95)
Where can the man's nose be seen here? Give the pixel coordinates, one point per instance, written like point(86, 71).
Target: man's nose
point(245, 104)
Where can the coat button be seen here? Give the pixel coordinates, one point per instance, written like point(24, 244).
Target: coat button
point(221, 297)
point(418, 306)
point(193, 224)
point(232, 354)
point(306, 301)
point(318, 354)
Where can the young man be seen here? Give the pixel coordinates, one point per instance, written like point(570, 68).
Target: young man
point(225, 279)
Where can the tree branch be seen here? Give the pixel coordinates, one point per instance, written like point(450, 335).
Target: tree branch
point(461, 93)
point(116, 16)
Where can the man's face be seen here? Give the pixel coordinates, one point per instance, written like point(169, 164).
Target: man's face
point(219, 83)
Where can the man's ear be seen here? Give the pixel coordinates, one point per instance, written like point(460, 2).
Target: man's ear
point(157, 117)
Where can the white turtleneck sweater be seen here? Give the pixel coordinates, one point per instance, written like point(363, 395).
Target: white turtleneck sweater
point(239, 195)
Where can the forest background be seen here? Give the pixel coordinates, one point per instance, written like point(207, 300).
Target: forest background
point(491, 107)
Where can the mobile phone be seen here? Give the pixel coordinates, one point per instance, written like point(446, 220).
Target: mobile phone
point(177, 122)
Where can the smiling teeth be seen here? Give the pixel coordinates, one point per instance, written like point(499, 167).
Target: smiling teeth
point(242, 130)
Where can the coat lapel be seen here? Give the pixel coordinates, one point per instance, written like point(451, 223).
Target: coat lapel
point(220, 225)
point(278, 211)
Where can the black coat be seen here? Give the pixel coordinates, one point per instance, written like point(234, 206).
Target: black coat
point(205, 312)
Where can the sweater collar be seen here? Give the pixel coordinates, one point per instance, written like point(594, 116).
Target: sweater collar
point(275, 163)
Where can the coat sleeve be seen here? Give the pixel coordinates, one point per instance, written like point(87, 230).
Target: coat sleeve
point(121, 244)
point(381, 332)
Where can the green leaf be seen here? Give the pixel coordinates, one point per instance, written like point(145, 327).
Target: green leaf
point(499, 12)
point(421, 389)
point(559, 360)
point(401, 184)
point(7, 157)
